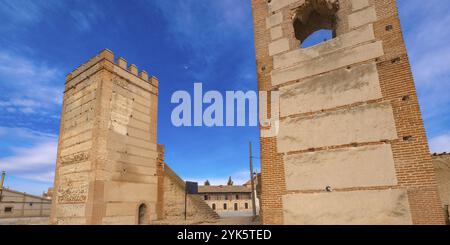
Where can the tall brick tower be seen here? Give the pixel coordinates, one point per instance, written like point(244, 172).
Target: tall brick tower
point(107, 152)
point(351, 146)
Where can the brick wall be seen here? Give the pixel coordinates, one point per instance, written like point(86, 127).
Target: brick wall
point(413, 171)
point(411, 152)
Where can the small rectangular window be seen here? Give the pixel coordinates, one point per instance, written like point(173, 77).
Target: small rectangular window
point(246, 205)
point(8, 209)
point(225, 206)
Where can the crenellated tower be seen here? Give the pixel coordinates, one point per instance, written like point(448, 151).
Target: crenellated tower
point(107, 151)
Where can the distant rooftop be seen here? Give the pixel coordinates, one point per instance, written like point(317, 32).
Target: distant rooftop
point(224, 189)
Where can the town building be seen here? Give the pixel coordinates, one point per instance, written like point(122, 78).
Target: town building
point(230, 200)
point(15, 204)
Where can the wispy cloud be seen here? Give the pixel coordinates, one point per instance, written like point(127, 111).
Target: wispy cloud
point(42, 155)
point(28, 86)
point(84, 19)
point(440, 144)
point(34, 159)
point(20, 15)
point(425, 24)
point(211, 31)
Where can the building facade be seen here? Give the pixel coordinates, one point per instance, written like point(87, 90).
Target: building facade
point(14, 204)
point(228, 200)
point(345, 142)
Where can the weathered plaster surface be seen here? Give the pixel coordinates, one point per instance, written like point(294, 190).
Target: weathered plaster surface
point(369, 123)
point(341, 87)
point(328, 62)
point(366, 166)
point(382, 207)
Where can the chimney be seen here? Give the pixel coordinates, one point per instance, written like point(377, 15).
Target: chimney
point(3, 179)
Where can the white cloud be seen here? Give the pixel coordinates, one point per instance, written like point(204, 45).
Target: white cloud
point(21, 15)
point(425, 26)
point(26, 134)
point(29, 85)
point(36, 160)
point(26, 106)
point(39, 156)
point(440, 144)
point(85, 18)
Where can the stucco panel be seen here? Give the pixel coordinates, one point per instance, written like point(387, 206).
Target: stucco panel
point(362, 17)
point(328, 62)
point(384, 207)
point(278, 46)
point(276, 32)
point(275, 5)
point(359, 4)
point(361, 35)
point(121, 209)
point(71, 210)
point(366, 166)
point(337, 88)
point(130, 192)
point(368, 123)
point(274, 20)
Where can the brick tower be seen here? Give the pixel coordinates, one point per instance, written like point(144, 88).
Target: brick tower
point(351, 147)
point(107, 151)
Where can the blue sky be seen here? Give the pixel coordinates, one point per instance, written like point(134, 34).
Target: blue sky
point(181, 42)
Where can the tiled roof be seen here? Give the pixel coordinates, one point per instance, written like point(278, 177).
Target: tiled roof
point(441, 154)
point(224, 189)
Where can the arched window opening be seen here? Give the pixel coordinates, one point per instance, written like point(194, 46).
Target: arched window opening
point(317, 37)
point(142, 215)
point(316, 17)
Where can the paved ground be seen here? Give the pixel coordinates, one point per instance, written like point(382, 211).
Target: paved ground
point(25, 221)
point(222, 221)
point(236, 221)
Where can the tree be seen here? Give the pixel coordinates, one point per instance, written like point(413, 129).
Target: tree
point(230, 181)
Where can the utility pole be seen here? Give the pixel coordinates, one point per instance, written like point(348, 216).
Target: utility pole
point(2, 184)
point(252, 181)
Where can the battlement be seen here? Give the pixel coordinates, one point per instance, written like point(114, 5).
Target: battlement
point(441, 154)
point(108, 55)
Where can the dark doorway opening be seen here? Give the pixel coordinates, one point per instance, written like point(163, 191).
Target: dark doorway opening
point(142, 219)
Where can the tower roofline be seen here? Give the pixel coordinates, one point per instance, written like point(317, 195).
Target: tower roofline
point(108, 55)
